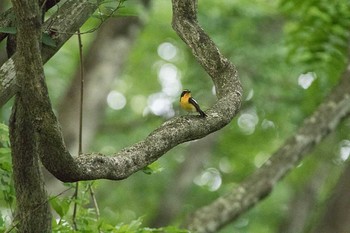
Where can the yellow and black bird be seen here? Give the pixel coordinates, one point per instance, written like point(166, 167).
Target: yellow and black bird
point(190, 104)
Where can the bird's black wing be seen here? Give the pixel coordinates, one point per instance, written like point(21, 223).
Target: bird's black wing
point(196, 105)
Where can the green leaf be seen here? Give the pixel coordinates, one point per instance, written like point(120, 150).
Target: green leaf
point(60, 206)
point(9, 30)
point(5, 151)
point(173, 229)
point(147, 170)
point(47, 40)
point(127, 12)
point(131, 227)
point(4, 134)
point(4, 128)
point(152, 169)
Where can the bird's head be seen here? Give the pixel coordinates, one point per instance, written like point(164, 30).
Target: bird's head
point(185, 92)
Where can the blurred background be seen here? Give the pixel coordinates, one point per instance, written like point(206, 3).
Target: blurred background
point(289, 55)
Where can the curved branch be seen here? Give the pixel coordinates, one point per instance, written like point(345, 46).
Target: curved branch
point(324, 120)
point(61, 164)
point(221, 70)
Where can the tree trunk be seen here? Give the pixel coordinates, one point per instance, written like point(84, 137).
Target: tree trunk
point(33, 211)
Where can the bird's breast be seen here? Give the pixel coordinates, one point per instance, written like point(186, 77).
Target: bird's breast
point(187, 106)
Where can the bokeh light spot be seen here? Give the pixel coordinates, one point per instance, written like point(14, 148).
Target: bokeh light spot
point(167, 51)
point(116, 100)
point(305, 80)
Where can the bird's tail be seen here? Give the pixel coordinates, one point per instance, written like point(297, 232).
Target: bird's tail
point(202, 114)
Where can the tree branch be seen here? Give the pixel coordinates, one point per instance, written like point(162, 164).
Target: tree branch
point(61, 164)
point(324, 120)
point(7, 18)
point(221, 70)
point(61, 26)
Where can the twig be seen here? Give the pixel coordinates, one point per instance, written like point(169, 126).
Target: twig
point(75, 197)
point(81, 127)
point(93, 197)
point(81, 93)
point(101, 18)
point(80, 149)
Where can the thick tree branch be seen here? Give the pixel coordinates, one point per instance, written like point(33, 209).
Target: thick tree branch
point(61, 164)
point(62, 25)
point(222, 71)
point(324, 120)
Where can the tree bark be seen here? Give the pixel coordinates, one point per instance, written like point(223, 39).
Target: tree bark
point(33, 211)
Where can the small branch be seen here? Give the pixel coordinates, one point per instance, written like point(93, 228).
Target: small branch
point(94, 200)
point(80, 149)
point(75, 206)
point(324, 120)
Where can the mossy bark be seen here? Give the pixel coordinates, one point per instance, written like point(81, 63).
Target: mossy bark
point(32, 210)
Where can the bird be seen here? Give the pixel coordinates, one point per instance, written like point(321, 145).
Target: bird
point(189, 104)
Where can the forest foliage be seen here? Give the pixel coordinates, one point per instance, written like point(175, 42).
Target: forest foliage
point(289, 55)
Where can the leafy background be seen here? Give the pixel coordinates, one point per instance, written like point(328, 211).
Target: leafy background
point(272, 43)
